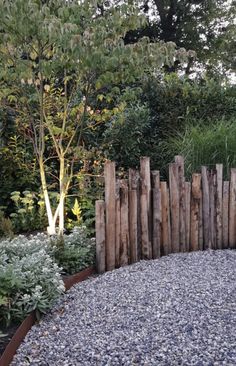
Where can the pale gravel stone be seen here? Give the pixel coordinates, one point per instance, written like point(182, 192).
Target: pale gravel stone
point(179, 310)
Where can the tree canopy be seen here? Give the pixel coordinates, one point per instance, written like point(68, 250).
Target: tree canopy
point(60, 60)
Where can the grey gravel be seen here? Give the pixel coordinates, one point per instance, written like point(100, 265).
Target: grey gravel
point(179, 310)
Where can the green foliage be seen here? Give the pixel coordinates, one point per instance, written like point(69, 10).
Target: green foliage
point(29, 274)
point(175, 102)
point(127, 136)
point(29, 213)
point(204, 145)
point(29, 278)
point(171, 105)
point(208, 27)
point(6, 227)
point(18, 169)
point(77, 252)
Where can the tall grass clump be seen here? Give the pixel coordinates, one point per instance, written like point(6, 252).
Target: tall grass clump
point(204, 145)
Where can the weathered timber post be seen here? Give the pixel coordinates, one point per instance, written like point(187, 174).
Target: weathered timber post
point(100, 237)
point(117, 245)
point(145, 203)
point(205, 208)
point(133, 214)
point(195, 211)
point(156, 215)
point(225, 215)
point(232, 210)
point(219, 205)
point(179, 160)
point(110, 202)
point(174, 206)
point(165, 222)
point(187, 213)
point(212, 195)
point(124, 223)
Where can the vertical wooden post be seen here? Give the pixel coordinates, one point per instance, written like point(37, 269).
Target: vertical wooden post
point(179, 160)
point(145, 203)
point(212, 195)
point(219, 205)
point(117, 249)
point(124, 223)
point(200, 239)
point(165, 222)
point(225, 215)
point(133, 214)
point(156, 207)
point(110, 202)
point(100, 236)
point(205, 208)
point(195, 211)
point(187, 213)
point(174, 206)
point(232, 210)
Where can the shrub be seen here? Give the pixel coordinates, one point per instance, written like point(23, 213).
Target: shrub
point(204, 145)
point(128, 136)
point(29, 278)
point(76, 252)
point(6, 226)
point(29, 211)
point(175, 102)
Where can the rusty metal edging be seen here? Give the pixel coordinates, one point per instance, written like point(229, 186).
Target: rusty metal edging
point(27, 324)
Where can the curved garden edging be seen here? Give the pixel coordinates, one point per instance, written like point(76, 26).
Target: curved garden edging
point(27, 324)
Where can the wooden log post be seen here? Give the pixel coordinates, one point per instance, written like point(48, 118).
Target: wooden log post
point(100, 237)
point(232, 210)
point(205, 208)
point(195, 211)
point(165, 222)
point(133, 214)
point(117, 249)
point(187, 214)
point(156, 207)
point(145, 205)
point(200, 239)
point(124, 223)
point(219, 206)
point(174, 207)
point(179, 160)
point(225, 215)
point(212, 212)
point(110, 205)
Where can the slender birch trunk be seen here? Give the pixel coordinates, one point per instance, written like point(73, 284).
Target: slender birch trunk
point(62, 196)
point(51, 222)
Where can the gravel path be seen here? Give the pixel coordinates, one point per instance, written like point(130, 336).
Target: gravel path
point(179, 310)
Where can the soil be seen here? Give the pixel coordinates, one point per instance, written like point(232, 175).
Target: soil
point(8, 333)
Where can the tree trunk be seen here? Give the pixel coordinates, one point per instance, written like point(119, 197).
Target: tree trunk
point(51, 229)
point(62, 197)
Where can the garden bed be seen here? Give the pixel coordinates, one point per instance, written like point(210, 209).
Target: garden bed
point(177, 310)
point(16, 333)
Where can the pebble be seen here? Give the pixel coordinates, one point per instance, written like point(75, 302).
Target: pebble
point(177, 310)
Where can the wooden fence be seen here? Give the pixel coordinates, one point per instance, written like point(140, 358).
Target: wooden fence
point(144, 218)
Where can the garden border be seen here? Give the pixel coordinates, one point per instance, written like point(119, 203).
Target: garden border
point(27, 324)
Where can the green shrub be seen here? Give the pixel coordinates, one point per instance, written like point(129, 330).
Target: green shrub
point(77, 251)
point(18, 170)
point(6, 226)
point(29, 211)
point(127, 137)
point(29, 277)
point(174, 102)
point(204, 145)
